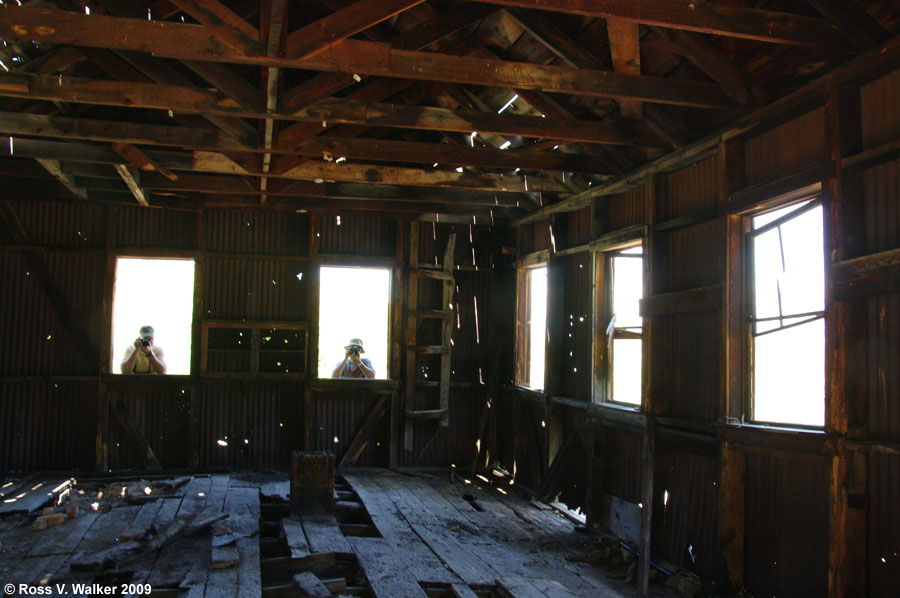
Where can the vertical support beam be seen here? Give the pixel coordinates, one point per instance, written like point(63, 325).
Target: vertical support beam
point(109, 284)
point(199, 337)
point(312, 301)
point(845, 396)
point(447, 330)
point(412, 295)
point(648, 452)
point(733, 364)
point(732, 475)
point(397, 298)
point(101, 450)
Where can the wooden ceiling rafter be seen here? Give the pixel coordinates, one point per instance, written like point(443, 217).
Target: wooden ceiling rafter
point(702, 17)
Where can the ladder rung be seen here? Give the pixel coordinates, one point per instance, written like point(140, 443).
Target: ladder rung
point(426, 413)
point(440, 274)
point(430, 349)
point(431, 313)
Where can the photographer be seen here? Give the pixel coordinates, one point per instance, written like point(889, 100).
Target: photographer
point(354, 366)
point(144, 357)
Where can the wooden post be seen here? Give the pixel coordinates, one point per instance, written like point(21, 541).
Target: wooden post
point(732, 475)
point(101, 450)
point(199, 337)
point(648, 451)
point(312, 479)
point(845, 397)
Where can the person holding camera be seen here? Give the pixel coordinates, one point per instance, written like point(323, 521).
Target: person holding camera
point(144, 357)
point(354, 366)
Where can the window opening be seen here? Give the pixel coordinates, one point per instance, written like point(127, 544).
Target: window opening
point(787, 315)
point(354, 303)
point(537, 326)
point(157, 293)
point(625, 330)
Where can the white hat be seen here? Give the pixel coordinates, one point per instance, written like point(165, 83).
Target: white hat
point(357, 342)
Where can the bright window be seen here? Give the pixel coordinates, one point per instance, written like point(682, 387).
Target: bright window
point(537, 326)
point(354, 303)
point(158, 293)
point(626, 325)
point(787, 315)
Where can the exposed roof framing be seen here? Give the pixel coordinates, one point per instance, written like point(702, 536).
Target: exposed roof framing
point(492, 109)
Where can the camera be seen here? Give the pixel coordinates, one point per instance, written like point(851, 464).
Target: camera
point(145, 342)
point(354, 351)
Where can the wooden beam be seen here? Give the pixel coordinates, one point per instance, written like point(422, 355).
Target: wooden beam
point(702, 17)
point(53, 167)
point(132, 179)
point(80, 339)
point(133, 431)
point(853, 21)
point(625, 48)
point(342, 24)
point(447, 155)
point(716, 65)
point(466, 121)
point(223, 24)
point(190, 42)
point(365, 431)
point(676, 302)
point(138, 158)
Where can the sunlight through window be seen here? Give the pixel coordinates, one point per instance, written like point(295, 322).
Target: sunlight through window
point(538, 327)
point(158, 293)
point(354, 303)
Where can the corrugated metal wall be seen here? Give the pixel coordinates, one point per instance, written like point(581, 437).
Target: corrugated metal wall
point(690, 189)
point(880, 117)
point(883, 556)
point(786, 527)
point(257, 232)
point(357, 235)
point(140, 227)
point(578, 335)
point(796, 143)
point(238, 289)
point(624, 209)
point(47, 425)
point(163, 416)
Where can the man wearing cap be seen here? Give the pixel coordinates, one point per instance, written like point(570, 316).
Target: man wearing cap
point(144, 357)
point(354, 366)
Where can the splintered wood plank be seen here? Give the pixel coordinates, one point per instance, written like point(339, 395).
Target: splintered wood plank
point(444, 543)
point(310, 585)
point(295, 537)
point(323, 532)
point(175, 560)
point(106, 528)
point(387, 572)
point(244, 580)
point(462, 591)
point(33, 496)
point(165, 514)
point(551, 588)
point(395, 530)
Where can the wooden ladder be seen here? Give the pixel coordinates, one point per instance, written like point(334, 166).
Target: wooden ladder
point(413, 314)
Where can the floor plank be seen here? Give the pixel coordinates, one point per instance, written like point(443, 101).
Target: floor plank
point(323, 532)
point(388, 574)
point(396, 531)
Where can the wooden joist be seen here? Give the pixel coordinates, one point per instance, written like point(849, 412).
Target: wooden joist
point(365, 431)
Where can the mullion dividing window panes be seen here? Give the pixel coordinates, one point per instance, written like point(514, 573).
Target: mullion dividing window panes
point(787, 315)
point(626, 325)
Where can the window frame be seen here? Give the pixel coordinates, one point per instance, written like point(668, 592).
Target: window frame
point(741, 304)
point(523, 327)
point(603, 336)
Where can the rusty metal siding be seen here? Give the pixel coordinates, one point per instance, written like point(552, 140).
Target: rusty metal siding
point(881, 191)
point(883, 555)
point(621, 454)
point(578, 228)
point(786, 527)
point(541, 235)
point(625, 209)
point(47, 425)
point(578, 336)
point(257, 232)
point(878, 106)
point(163, 416)
point(471, 324)
point(883, 355)
point(473, 244)
point(238, 289)
point(796, 143)
point(687, 533)
point(686, 361)
point(357, 235)
point(691, 189)
point(63, 224)
point(145, 227)
point(260, 423)
point(694, 257)
point(338, 415)
point(31, 323)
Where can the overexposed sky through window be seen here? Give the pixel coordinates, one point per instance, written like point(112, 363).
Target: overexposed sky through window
point(354, 303)
point(158, 293)
point(538, 317)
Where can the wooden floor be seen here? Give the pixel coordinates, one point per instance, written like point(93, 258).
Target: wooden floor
point(389, 536)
